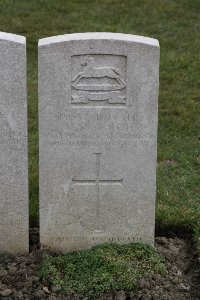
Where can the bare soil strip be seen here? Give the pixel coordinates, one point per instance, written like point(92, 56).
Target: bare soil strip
point(19, 280)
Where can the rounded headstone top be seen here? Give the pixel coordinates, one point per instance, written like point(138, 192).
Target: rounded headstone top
point(99, 36)
point(12, 37)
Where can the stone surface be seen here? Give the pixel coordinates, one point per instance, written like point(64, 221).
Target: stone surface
point(13, 145)
point(98, 135)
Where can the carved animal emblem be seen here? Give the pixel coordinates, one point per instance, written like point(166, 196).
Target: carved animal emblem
point(92, 71)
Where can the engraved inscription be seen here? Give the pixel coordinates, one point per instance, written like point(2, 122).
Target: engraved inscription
point(98, 80)
point(97, 182)
point(106, 239)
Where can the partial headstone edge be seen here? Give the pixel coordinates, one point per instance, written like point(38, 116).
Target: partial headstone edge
point(98, 36)
point(12, 38)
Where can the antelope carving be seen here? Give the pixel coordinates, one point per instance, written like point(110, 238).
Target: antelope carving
point(91, 71)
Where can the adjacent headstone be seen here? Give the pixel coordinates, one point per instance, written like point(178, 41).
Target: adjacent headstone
point(13, 145)
point(98, 130)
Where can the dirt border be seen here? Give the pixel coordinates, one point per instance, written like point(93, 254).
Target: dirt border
point(19, 279)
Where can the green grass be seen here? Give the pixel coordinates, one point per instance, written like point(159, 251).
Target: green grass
point(101, 269)
point(176, 24)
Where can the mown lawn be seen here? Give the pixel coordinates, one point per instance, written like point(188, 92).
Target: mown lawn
point(176, 24)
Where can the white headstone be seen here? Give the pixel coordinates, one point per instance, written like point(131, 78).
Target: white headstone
point(13, 145)
point(98, 136)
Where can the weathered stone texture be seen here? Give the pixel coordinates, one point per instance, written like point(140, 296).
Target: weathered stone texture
point(98, 135)
point(13, 145)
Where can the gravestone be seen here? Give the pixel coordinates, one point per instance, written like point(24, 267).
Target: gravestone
point(13, 145)
point(98, 135)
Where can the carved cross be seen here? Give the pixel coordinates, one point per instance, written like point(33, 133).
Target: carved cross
point(97, 182)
